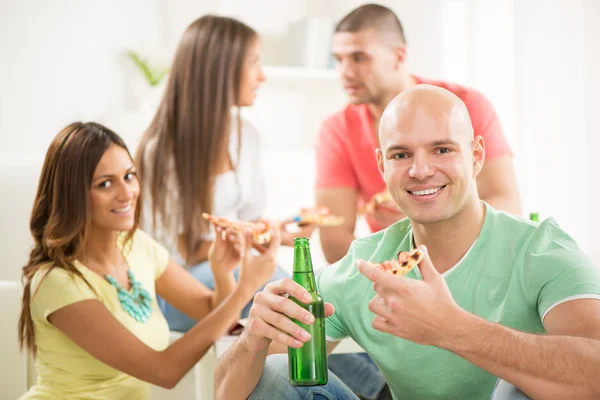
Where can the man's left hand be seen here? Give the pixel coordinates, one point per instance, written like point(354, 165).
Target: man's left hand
point(422, 311)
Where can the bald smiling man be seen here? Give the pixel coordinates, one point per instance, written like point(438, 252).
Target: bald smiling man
point(429, 160)
point(500, 306)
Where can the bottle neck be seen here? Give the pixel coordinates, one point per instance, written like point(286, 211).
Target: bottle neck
point(303, 270)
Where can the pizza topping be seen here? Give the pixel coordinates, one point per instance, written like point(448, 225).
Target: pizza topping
point(261, 229)
point(404, 263)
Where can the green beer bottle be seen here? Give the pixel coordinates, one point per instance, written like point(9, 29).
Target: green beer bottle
point(308, 364)
point(534, 217)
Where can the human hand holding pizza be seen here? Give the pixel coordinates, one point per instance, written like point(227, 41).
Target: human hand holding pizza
point(306, 221)
point(288, 235)
point(422, 311)
point(386, 215)
point(261, 230)
point(257, 269)
point(225, 251)
point(382, 210)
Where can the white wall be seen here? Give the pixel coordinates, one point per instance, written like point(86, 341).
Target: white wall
point(592, 131)
point(534, 60)
point(64, 60)
point(550, 61)
point(60, 61)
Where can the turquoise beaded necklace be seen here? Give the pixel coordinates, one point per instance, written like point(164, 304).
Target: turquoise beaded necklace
point(136, 302)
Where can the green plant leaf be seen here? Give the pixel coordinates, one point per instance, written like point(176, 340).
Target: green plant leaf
point(152, 76)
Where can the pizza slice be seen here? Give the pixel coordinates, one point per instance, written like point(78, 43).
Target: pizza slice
point(405, 262)
point(375, 202)
point(261, 229)
point(319, 215)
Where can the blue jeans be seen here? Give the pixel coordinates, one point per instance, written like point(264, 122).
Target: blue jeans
point(506, 391)
point(358, 372)
point(274, 384)
point(180, 322)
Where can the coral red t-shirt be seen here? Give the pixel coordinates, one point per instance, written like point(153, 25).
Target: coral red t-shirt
point(345, 150)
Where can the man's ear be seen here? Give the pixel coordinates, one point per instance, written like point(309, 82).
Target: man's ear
point(379, 155)
point(400, 54)
point(478, 150)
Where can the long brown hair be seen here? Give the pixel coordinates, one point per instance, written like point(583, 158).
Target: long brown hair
point(189, 134)
point(61, 216)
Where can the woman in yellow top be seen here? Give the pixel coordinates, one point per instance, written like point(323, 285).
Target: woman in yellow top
point(89, 309)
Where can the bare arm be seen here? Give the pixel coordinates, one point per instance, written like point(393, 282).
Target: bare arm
point(190, 296)
point(563, 364)
point(336, 240)
point(89, 324)
point(269, 331)
point(224, 285)
point(497, 185)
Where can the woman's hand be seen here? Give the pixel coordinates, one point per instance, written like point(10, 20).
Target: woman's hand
point(224, 253)
point(257, 269)
point(287, 237)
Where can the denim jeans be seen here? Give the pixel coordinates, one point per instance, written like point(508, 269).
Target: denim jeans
point(506, 391)
point(180, 322)
point(358, 372)
point(274, 384)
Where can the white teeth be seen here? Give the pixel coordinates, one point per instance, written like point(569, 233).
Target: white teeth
point(426, 191)
point(122, 210)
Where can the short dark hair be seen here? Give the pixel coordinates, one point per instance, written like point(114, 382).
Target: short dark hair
point(373, 16)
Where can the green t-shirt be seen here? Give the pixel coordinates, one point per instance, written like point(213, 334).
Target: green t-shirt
point(515, 272)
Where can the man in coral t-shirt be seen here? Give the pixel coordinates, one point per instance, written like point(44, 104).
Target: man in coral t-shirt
point(370, 49)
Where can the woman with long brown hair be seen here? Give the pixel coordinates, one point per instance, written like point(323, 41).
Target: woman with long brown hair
point(198, 155)
point(89, 311)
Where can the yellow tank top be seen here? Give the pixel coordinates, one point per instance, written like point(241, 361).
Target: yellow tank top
point(65, 370)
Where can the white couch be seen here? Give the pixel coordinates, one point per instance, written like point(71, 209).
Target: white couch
point(13, 373)
point(18, 183)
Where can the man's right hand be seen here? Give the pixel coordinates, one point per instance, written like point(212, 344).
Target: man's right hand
point(271, 312)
